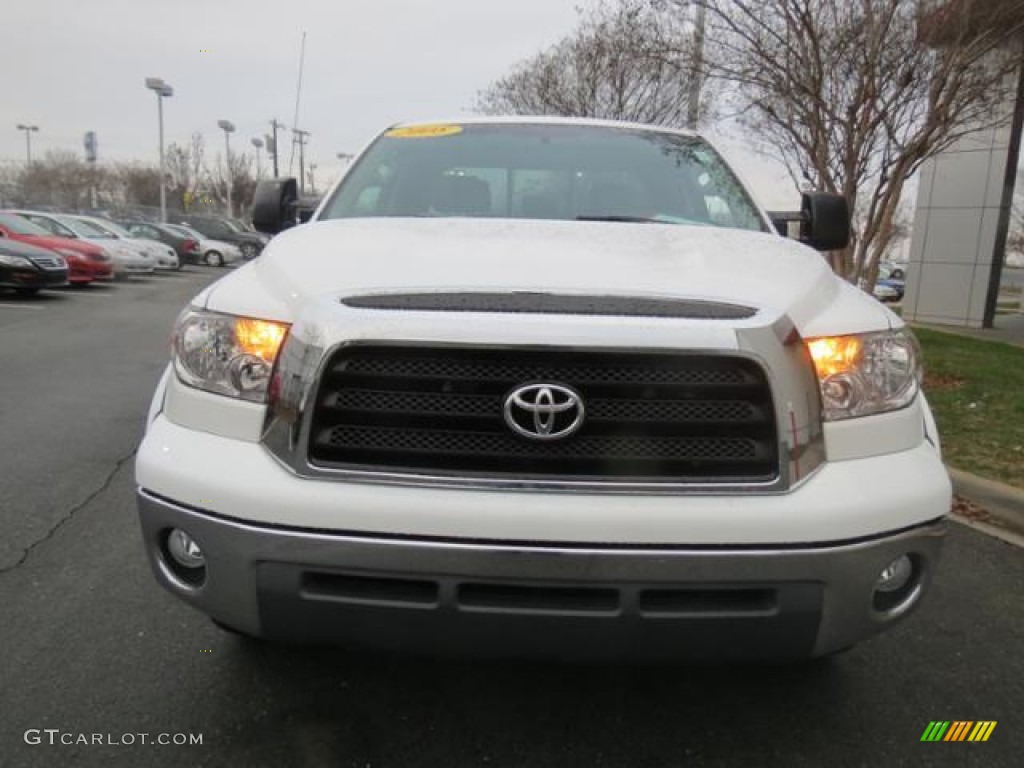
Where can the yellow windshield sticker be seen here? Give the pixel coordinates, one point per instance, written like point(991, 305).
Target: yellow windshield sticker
point(424, 131)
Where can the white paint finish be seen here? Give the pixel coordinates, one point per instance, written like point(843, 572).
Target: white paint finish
point(206, 412)
point(931, 430)
point(844, 500)
point(325, 260)
point(156, 405)
point(877, 435)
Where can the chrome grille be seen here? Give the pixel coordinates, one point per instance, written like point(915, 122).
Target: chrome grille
point(663, 417)
point(47, 262)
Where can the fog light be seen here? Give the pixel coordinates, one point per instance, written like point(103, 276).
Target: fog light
point(895, 575)
point(184, 549)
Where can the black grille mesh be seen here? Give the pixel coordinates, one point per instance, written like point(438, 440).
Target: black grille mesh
point(649, 417)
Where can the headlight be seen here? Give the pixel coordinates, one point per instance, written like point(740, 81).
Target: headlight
point(867, 373)
point(226, 354)
point(14, 261)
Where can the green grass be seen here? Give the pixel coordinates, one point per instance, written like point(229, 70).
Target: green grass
point(976, 389)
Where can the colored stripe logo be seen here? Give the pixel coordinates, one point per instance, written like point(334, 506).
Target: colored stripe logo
point(958, 730)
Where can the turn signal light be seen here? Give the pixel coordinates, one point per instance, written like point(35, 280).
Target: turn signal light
point(261, 338)
point(835, 354)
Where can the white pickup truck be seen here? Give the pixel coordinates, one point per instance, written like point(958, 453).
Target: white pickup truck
point(541, 386)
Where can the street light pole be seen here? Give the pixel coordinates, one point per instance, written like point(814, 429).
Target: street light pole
point(228, 127)
point(162, 90)
point(28, 129)
point(258, 143)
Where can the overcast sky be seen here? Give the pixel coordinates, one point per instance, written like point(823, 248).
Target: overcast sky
point(71, 66)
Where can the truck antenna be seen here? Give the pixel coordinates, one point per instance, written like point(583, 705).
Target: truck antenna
point(298, 95)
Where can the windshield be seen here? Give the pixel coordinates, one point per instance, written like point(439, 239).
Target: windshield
point(20, 226)
point(544, 171)
point(185, 231)
point(85, 229)
point(109, 226)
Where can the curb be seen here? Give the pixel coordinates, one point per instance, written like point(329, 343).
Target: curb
point(1003, 502)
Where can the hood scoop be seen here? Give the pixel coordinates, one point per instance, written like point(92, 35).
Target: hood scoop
point(528, 302)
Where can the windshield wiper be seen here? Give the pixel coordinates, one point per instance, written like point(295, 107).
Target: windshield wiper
point(624, 219)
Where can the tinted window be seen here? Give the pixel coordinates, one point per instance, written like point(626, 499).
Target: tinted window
point(545, 172)
point(21, 226)
point(50, 225)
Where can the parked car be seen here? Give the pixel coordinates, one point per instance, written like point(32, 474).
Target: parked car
point(895, 269)
point(187, 248)
point(215, 253)
point(28, 268)
point(164, 257)
point(544, 386)
point(86, 262)
point(885, 293)
point(890, 283)
point(126, 259)
point(216, 228)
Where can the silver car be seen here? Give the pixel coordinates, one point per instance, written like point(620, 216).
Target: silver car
point(164, 257)
point(215, 253)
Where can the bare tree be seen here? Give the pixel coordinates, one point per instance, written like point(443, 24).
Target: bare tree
point(185, 172)
point(853, 95)
point(59, 179)
point(626, 61)
point(243, 182)
point(139, 185)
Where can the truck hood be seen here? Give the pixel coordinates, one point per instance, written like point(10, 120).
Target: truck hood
point(348, 257)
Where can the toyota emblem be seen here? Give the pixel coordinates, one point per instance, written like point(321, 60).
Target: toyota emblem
point(544, 411)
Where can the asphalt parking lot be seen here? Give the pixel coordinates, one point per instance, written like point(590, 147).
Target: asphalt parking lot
point(91, 646)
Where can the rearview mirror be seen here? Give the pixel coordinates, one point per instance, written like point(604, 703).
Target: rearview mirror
point(825, 221)
point(275, 205)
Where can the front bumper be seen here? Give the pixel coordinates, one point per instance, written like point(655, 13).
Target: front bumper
point(32, 277)
point(86, 271)
point(139, 267)
point(565, 601)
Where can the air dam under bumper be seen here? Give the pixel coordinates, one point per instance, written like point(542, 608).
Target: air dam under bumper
point(580, 602)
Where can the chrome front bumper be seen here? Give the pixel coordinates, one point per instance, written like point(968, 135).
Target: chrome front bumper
point(657, 603)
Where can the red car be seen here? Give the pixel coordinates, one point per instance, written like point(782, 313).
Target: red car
point(86, 262)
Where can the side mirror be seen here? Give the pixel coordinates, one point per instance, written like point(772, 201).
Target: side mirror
point(825, 221)
point(274, 205)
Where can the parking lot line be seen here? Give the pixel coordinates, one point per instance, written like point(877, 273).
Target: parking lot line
point(4, 304)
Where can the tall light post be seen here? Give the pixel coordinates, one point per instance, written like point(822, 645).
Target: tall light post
point(29, 130)
point(228, 127)
point(162, 90)
point(258, 143)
